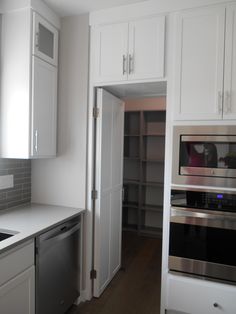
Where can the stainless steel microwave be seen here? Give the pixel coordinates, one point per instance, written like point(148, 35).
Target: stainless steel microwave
point(204, 156)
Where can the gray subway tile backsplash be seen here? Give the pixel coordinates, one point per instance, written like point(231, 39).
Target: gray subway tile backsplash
point(21, 192)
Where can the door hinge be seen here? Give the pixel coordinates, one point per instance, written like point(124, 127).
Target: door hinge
point(93, 274)
point(95, 112)
point(94, 194)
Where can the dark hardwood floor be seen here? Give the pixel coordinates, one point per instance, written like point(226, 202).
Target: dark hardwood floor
point(136, 289)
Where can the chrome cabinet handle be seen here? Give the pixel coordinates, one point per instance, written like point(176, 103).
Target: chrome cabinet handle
point(220, 102)
point(124, 65)
point(37, 40)
point(227, 102)
point(36, 141)
point(131, 64)
point(123, 194)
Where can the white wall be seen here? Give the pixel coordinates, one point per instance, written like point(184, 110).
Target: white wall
point(62, 181)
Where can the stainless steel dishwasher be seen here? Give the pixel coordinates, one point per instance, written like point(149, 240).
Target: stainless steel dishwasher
point(57, 268)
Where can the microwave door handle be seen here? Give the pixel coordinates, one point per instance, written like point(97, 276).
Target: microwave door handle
point(208, 138)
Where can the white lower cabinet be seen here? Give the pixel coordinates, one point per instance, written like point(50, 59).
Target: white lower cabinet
point(17, 280)
point(17, 295)
point(194, 296)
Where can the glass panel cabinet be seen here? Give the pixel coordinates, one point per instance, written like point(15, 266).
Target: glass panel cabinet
point(45, 43)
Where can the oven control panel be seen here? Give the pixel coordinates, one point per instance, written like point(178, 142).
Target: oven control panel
point(208, 200)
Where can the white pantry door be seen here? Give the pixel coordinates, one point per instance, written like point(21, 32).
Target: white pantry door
point(109, 181)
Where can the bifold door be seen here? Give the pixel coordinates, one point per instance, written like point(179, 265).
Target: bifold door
point(109, 181)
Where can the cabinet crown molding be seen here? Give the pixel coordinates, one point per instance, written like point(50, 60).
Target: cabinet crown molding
point(146, 8)
point(36, 5)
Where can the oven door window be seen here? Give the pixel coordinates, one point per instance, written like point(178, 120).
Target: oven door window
point(203, 243)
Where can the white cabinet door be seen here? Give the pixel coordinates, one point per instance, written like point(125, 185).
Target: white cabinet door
point(17, 296)
point(27, 85)
point(111, 52)
point(45, 40)
point(109, 182)
point(44, 105)
point(194, 296)
point(146, 48)
point(230, 64)
point(199, 64)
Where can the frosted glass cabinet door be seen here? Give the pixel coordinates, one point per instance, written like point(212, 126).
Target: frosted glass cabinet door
point(45, 40)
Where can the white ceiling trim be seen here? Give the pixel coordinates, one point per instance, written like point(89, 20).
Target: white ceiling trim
point(76, 7)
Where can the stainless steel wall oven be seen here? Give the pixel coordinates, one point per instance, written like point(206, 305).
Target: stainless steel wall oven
point(203, 233)
point(204, 155)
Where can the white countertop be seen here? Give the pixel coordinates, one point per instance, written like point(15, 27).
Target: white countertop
point(32, 219)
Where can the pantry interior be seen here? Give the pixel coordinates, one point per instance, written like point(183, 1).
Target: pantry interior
point(144, 155)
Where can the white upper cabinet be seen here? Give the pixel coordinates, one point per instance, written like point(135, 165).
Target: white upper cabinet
point(205, 64)
point(199, 59)
point(28, 86)
point(45, 40)
point(146, 48)
point(230, 64)
point(111, 52)
point(130, 51)
point(44, 109)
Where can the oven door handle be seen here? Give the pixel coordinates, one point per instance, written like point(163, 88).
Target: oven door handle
point(203, 218)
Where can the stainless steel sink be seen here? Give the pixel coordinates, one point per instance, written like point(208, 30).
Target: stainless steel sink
point(5, 234)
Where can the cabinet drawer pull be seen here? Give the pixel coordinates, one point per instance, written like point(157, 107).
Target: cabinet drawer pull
point(215, 304)
point(36, 141)
point(131, 64)
point(227, 102)
point(124, 65)
point(220, 102)
point(37, 40)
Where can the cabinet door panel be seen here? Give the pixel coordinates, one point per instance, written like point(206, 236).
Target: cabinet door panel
point(109, 165)
point(111, 52)
point(189, 295)
point(17, 295)
point(44, 104)
point(146, 48)
point(45, 40)
point(230, 64)
point(199, 64)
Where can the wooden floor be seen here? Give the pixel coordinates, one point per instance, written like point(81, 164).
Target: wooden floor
point(136, 289)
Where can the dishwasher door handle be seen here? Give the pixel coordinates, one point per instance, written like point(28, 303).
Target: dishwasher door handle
point(62, 235)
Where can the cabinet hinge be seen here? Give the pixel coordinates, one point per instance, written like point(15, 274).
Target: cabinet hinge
point(95, 112)
point(93, 274)
point(94, 194)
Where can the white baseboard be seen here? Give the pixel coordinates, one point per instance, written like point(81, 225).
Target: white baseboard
point(81, 298)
